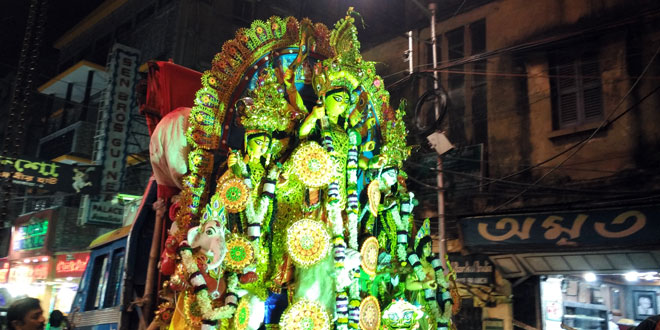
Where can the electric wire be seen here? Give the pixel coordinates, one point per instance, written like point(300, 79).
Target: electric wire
point(582, 144)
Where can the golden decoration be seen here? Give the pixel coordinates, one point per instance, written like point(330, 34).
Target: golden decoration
point(242, 315)
point(373, 191)
point(313, 165)
point(305, 315)
point(369, 313)
point(240, 253)
point(369, 253)
point(307, 242)
point(234, 195)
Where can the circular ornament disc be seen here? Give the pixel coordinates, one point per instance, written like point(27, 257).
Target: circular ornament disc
point(369, 313)
point(240, 253)
point(305, 315)
point(242, 314)
point(369, 253)
point(312, 165)
point(234, 195)
point(307, 242)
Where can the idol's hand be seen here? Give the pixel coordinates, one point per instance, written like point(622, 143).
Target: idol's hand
point(318, 112)
point(232, 160)
point(274, 172)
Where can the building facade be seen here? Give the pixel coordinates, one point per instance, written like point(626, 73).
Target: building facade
point(551, 110)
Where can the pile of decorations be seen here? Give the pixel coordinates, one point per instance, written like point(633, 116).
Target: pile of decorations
point(310, 225)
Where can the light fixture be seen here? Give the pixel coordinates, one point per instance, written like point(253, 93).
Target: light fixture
point(44, 259)
point(590, 277)
point(631, 276)
point(649, 277)
point(27, 261)
point(69, 279)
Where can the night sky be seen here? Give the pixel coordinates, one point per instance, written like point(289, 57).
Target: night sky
point(62, 15)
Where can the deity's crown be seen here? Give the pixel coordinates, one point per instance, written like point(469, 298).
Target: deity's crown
point(266, 108)
point(347, 69)
point(214, 211)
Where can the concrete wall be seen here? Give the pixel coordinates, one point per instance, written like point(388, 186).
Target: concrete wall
point(519, 106)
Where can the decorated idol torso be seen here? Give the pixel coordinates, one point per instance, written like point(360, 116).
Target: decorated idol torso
point(308, 225)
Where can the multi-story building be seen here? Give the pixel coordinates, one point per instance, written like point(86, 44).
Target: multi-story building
point(552, 112)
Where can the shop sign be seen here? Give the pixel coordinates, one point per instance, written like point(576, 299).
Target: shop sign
point(119, 104)
point(4, 272)
point(40, 271)
point(49, 175)
point(472, 269)
point(71, 265)
point(632, 226)
point(31, 235)
point(28, 273)
point(99, 210)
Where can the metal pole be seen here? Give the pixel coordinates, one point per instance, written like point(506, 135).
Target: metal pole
point(410, 52)
point(441, 193)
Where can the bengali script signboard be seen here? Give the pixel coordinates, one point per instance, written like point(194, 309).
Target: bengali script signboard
point(71, 265)
point(31, 233)
point(50, 175)
point(620, 227)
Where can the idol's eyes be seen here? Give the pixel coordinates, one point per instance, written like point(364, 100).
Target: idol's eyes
point(340, 98)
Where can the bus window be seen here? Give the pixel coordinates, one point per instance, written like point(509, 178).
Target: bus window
point(98, 280)
point(114, 282)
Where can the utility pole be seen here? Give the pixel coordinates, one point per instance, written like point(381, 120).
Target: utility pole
point(440, 185)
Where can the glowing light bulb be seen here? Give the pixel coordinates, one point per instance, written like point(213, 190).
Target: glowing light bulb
point(590, 277)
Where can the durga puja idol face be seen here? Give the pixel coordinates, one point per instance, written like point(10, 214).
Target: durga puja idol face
point(336, 103)
point(257, 145)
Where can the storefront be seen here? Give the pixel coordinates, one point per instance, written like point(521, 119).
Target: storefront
point(576, 269)
point(5, 296)
point(69, 268)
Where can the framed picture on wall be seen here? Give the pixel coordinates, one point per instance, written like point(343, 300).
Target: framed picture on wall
point(644, 304)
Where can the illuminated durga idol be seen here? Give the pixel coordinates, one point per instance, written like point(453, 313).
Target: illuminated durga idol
point(309, 225)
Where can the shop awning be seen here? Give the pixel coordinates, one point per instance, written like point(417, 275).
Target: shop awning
point(612, 262)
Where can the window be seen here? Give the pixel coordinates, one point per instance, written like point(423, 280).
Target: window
point(577, 91)
point(114, 281)
point(97, 283)
point(105, 283)
point(456, 86)
point(467, 109)
point(479, 87)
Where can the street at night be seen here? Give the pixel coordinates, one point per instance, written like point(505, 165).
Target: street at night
point(330, 165)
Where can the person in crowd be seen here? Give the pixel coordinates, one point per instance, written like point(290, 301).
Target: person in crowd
point(25, 314)
point(57, 321)
point(650, 323)
point(611, 325)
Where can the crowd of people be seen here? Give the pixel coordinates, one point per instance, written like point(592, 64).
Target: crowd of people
point(26, 314)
